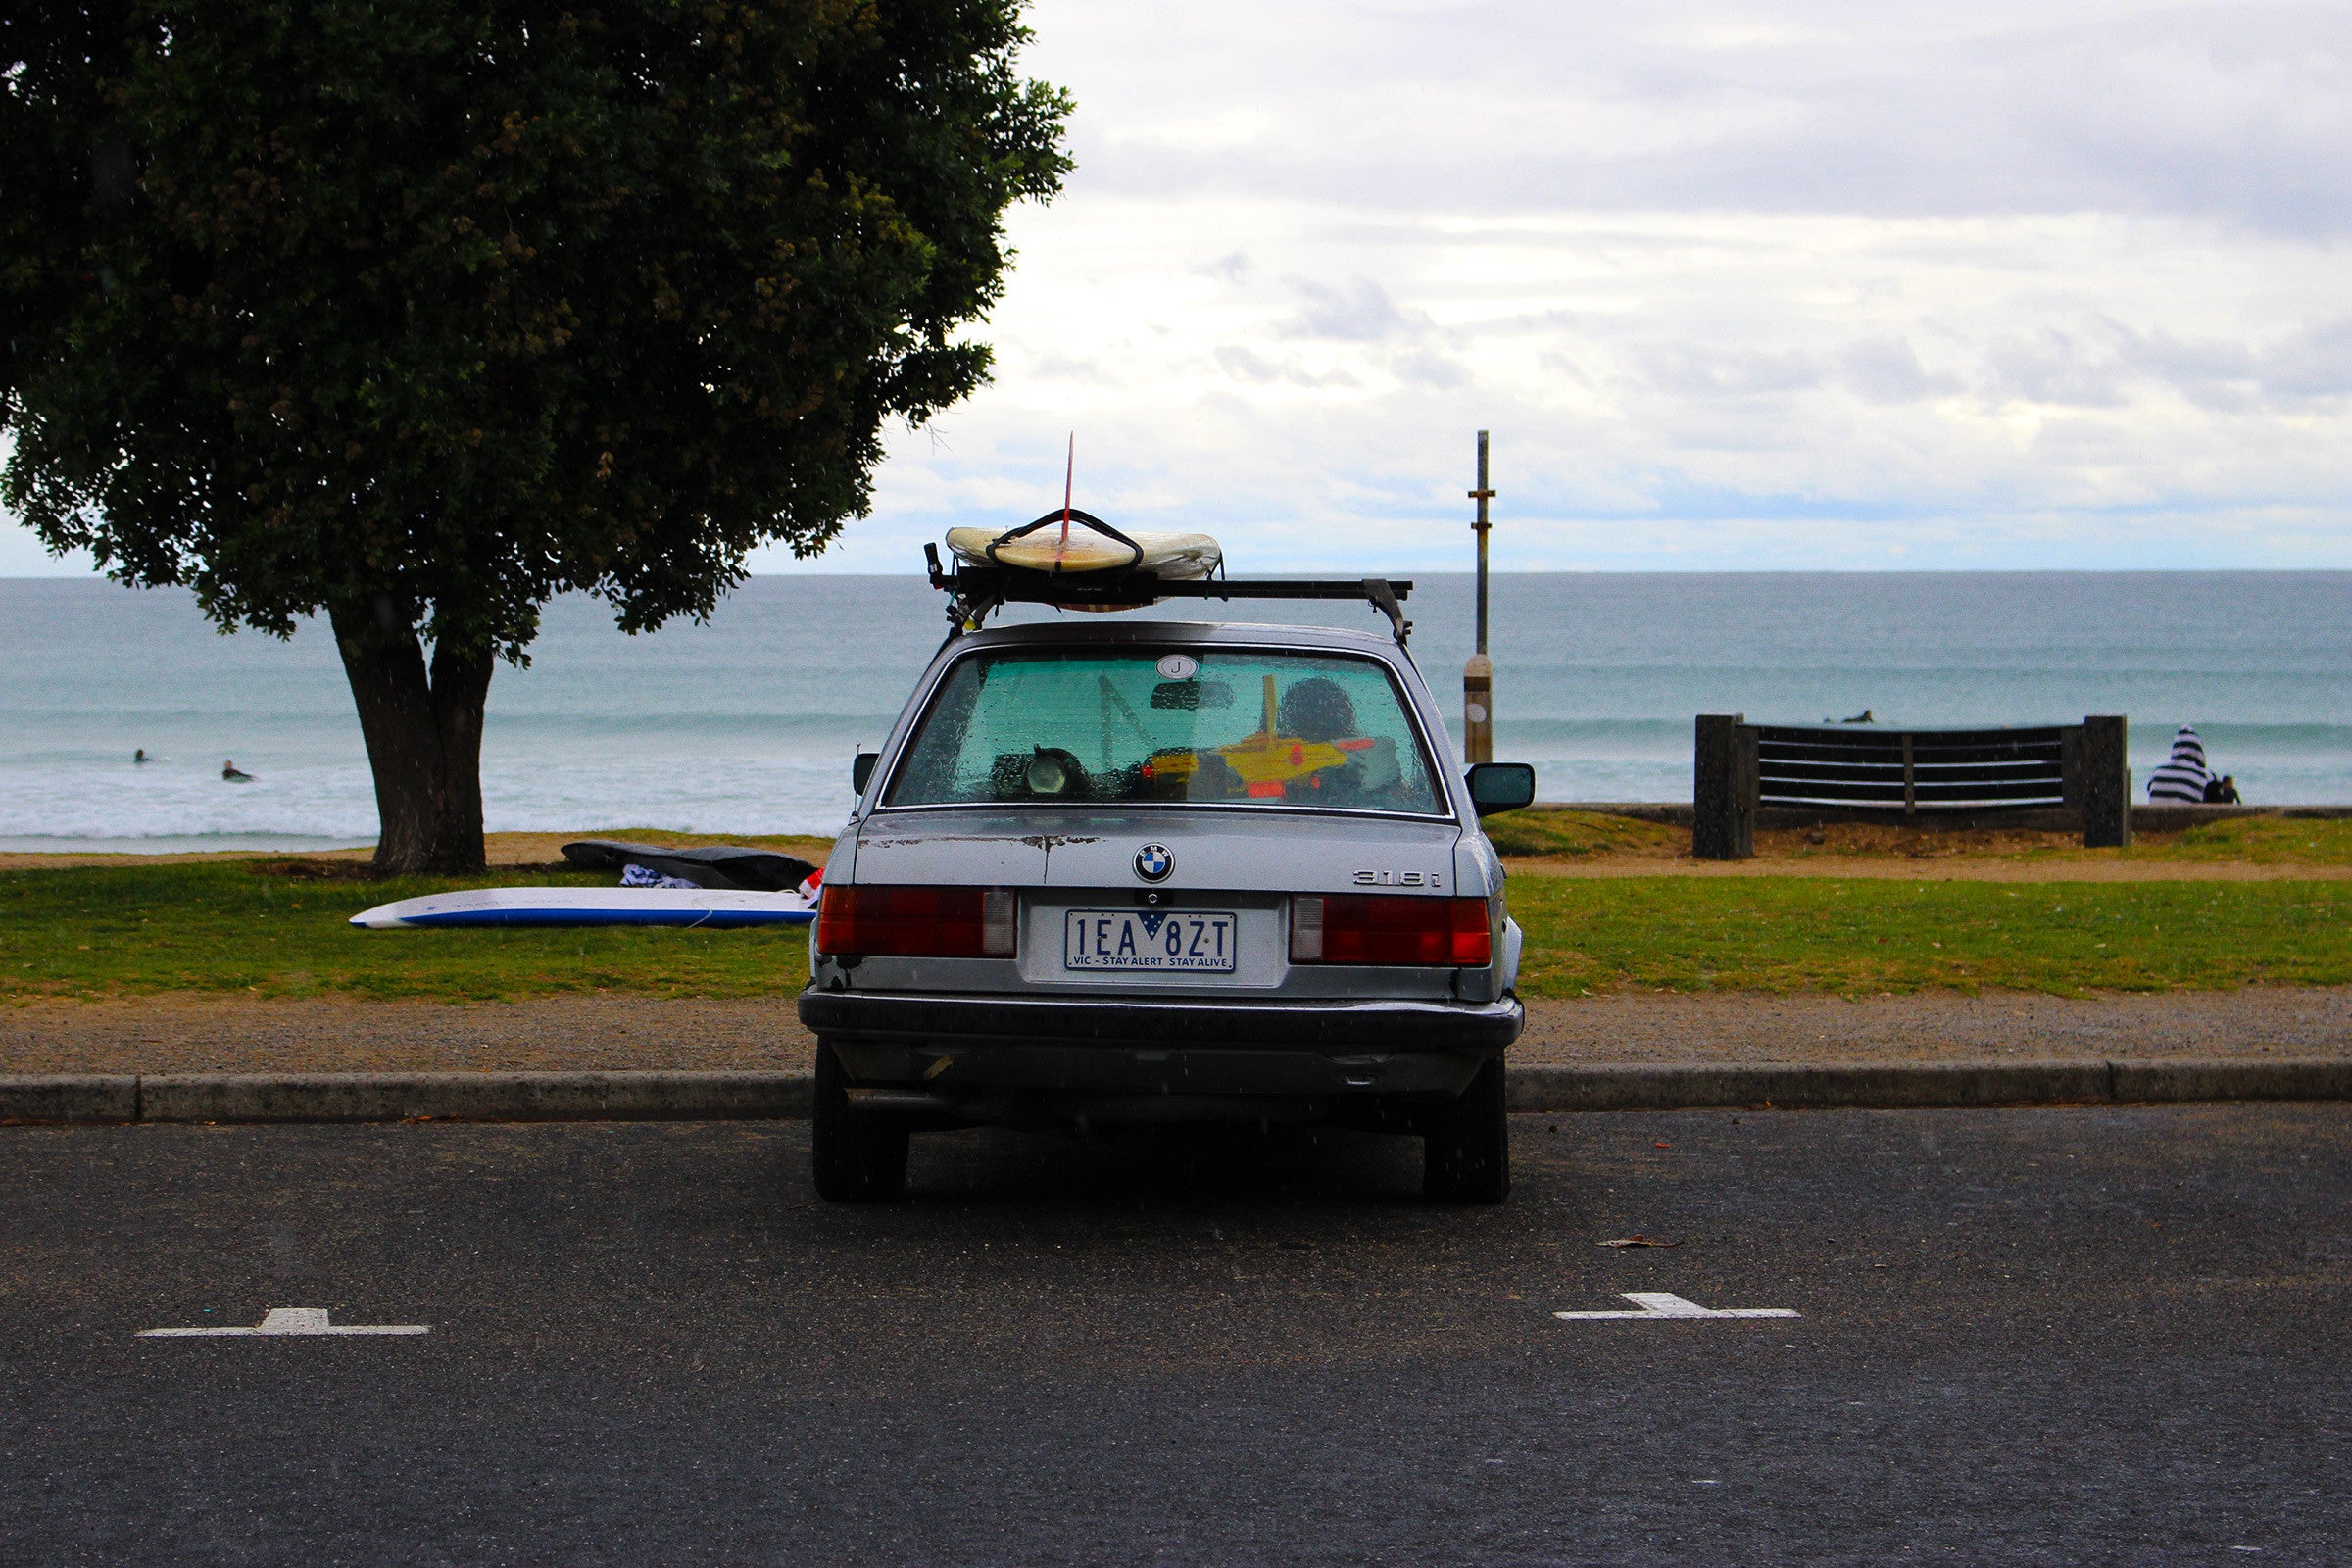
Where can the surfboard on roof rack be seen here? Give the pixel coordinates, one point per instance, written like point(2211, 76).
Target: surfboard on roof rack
point(1070, 543)
point(1087, 545)
point(1103, 568)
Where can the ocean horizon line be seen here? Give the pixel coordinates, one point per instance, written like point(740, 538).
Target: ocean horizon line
point(1318, 572)
point(747, 723)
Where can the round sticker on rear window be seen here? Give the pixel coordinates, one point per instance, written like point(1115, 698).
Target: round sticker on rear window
point(1178, 667)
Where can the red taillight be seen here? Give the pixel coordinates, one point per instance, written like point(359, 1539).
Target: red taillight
point(918, 922)
point(1358, 928)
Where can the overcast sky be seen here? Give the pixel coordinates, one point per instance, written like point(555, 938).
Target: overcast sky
point(1857, 285)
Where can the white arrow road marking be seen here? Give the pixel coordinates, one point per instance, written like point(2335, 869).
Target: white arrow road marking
point(1664, 1304)
point(287, 1320)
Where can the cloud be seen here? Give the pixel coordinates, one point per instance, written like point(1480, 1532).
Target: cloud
point(1233, 267)
point(1242, 365)
point(1357, 311)
point(2056, 367)
point(1825, 283)
point(1677, 388)
point(1887, 370)
point(1695, 369)
point(2106, 364)
point(1427, 369)
point(2314, 362)
point(2235, 113)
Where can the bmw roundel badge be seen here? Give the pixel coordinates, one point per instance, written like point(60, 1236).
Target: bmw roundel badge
point(1153, 863)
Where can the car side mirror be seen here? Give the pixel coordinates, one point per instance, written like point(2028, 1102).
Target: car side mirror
point(861, 771)
point(1501, 786)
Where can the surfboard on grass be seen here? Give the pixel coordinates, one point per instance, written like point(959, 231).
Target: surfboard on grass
point(710, 909)
point(712, 865)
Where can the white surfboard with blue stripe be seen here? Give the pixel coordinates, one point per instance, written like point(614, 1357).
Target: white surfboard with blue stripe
point(709, 908)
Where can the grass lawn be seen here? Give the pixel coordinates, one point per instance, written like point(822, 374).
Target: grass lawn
point(2261, 840)
point(1860, 936)
point(1571, 835)
point(1580, 835)
point(246, 926)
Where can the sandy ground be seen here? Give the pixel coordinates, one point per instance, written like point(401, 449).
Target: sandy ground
point(1845, 849)
point(1924, 854)
point(201, 1034)
point(498, 848)
point(541, 849)
point(206, 1034)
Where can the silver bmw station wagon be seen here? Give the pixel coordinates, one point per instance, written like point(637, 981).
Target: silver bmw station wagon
point(1157, 871)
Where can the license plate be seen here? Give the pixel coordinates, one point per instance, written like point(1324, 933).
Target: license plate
point(1149, 939)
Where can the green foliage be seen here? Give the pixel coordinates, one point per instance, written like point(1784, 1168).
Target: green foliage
point(1868, 934)
point(444, 307)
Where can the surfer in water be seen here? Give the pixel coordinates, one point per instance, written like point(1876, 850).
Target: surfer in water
point(235, 774)
point(140, 756)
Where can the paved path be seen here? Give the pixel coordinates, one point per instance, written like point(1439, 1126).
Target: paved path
point(221, 1033)
point(1939, 1026)
point(2077, 1337)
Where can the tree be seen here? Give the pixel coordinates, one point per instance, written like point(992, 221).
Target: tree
point(417, 315)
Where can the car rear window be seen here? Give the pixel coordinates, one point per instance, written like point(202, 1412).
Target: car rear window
point(1232, 727)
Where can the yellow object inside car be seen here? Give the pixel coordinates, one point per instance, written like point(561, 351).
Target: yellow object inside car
point(1269, 759)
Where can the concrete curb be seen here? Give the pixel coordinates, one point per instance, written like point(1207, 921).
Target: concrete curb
point(66, 1097)
point(1922, 1086)
point(1872, 1085)
point(405, 1096)
point(2175, 1082)
point(336, 1097)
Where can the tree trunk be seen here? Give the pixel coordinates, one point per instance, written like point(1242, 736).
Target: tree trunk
point(424, 732)
point(460, 690)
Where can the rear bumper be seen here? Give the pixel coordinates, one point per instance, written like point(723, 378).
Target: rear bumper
point(964, 1042)
point(1336, 1025)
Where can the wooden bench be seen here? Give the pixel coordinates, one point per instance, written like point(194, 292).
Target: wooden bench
point(1930, 777)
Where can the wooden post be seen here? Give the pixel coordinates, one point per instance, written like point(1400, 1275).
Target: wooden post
point(1722, 788)
point(2106, 781)
point(2070, 770)
point(1477, 676)
point(1478, 710)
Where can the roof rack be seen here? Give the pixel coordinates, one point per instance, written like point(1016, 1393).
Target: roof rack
point(976, 592)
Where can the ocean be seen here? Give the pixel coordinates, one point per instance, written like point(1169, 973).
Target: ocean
point(746, 725)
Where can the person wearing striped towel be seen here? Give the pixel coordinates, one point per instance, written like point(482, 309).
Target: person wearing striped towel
point(2184, 775)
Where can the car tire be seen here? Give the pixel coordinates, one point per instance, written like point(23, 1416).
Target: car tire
point(858, 1156)
point(1466, 1153)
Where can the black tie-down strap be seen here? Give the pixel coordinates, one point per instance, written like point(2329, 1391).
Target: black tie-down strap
point(1073, 516)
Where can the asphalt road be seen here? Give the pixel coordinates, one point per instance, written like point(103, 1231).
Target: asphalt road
point(2062, 1337)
